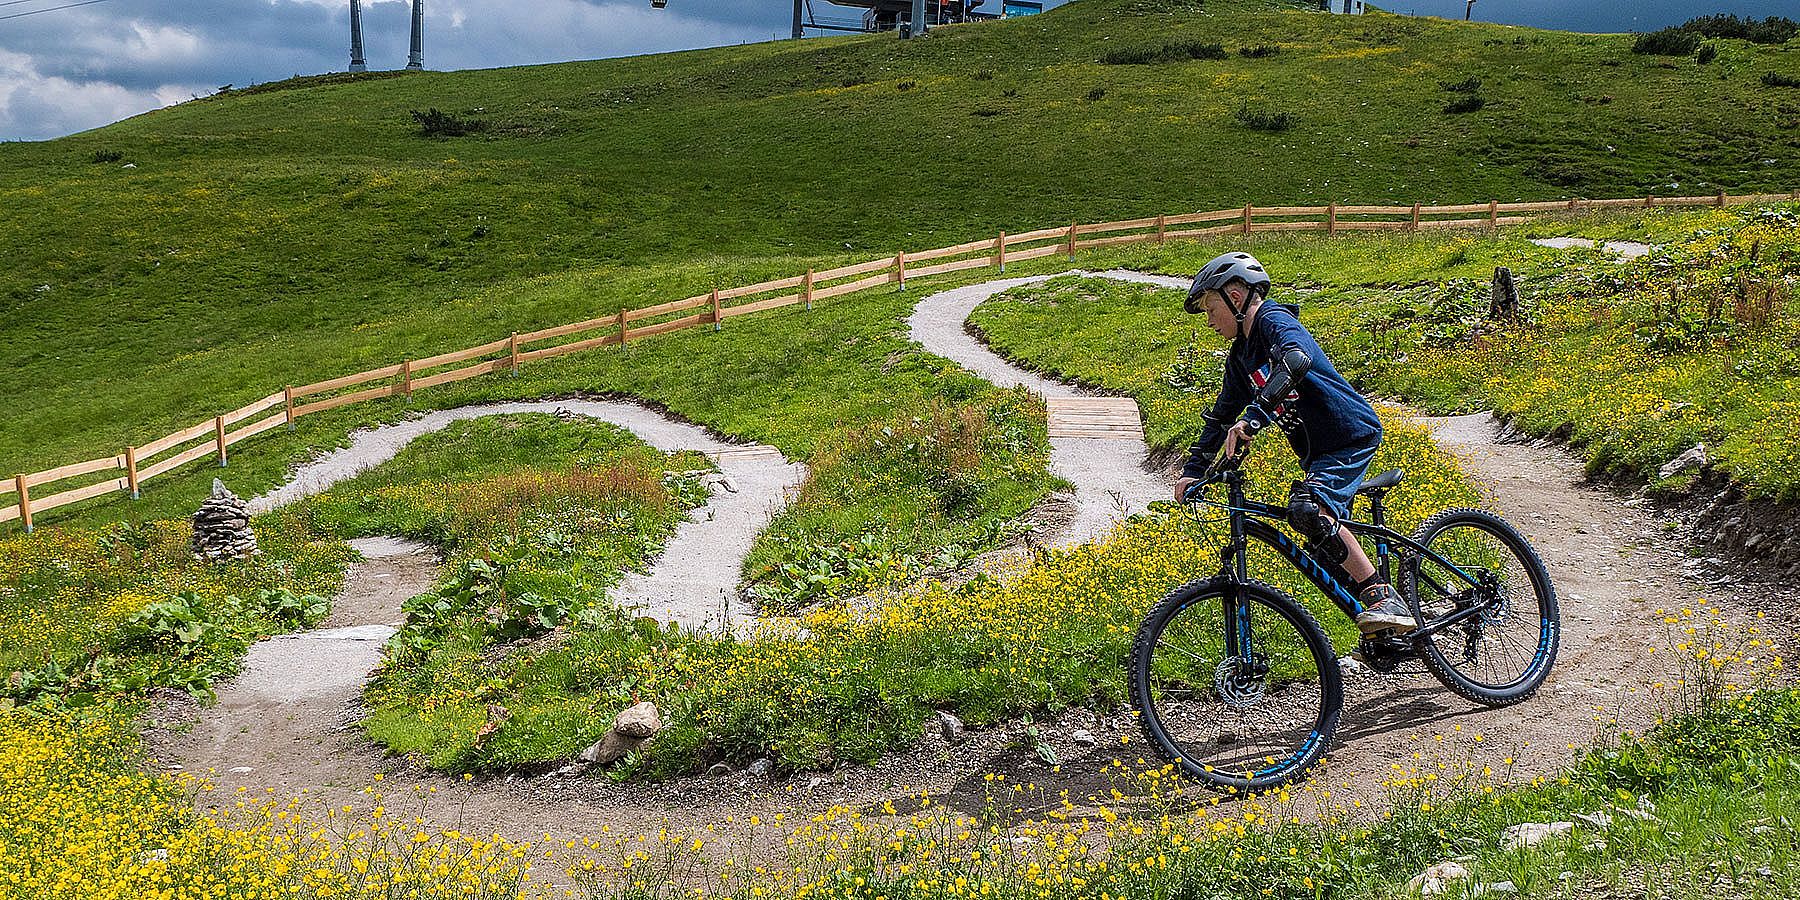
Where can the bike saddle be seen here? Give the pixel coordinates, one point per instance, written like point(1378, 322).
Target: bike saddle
point(1381, 482)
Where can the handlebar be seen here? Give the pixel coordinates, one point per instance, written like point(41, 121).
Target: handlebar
point(1215, 471)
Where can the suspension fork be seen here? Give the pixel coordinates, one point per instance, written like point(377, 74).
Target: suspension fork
point(1238, 644)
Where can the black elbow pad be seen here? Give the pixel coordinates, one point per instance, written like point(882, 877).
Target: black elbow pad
point(1298, 363)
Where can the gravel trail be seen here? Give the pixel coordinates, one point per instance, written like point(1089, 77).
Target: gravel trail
point(1110, 479)
point(1614, 565)
point(696, 576)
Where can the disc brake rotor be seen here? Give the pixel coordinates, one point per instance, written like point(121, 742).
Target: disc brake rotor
point(1235, 686)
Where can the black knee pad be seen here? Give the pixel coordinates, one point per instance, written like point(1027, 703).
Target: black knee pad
point(1309, 517)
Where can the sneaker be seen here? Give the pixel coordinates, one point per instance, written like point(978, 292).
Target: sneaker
point(1383, 610)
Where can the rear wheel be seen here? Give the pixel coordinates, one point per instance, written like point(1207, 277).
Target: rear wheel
point(1500, 654)
point(1233, 719)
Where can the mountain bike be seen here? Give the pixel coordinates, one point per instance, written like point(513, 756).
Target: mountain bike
point(1237, 685)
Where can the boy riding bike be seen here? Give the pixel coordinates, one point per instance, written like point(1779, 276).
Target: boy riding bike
point(1276, 374)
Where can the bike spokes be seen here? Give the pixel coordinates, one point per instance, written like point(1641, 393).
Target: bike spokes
point(1500, 642)
point(1249, 715)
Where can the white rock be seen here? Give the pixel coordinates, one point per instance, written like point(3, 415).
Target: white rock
point(1692, 458)
point(1498, 887)
point(240, 770)
point(1437, 879)
point(1529, 834)
point(1599, 818)
point(758, 768)
point(640, 720)
point(1083, 737)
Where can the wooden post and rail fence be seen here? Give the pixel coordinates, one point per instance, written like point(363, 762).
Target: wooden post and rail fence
point(127, 470)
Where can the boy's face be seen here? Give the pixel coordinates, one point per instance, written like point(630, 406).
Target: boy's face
point(1218, 312)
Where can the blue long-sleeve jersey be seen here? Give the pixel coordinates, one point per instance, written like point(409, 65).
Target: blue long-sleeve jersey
point(1321, 414)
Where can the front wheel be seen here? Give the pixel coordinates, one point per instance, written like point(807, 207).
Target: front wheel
point(1482, 568)
point(1235, 684)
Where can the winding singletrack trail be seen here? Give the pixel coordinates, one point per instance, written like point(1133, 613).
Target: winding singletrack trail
point(694, 579)
point(1613, 565)
point(1105, 465)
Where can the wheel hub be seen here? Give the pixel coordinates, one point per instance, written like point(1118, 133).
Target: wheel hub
point(1239, 682)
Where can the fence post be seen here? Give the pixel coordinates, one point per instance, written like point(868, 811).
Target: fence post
point(1162, 228)
point(512, 352)
point(900, 268)
point(1246, 218)
point(287, 398)
point(406, 379)
point(715, 309)
point(1493, 215)
point(1649, 201)
point(806, 288)
point(131, 478)
point(1071, 241)
point(623, 330)
point(1000, 251)
point(1415, 218)
point(219, 437)
point(1572, 202)
point(1331, 218)
point(1721, 197)
point(24, 501)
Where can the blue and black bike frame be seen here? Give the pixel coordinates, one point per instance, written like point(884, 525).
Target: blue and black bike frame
point(1251, 519)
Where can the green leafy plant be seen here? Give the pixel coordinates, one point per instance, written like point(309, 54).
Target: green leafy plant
point(437, 123)
point(1177, 51)
point(1672, 41)
point(1259, 118)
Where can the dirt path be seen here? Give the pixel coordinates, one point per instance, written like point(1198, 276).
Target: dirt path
point(1624, 249)
point(696, 576)
point(1614, 565)
point(1108, 473)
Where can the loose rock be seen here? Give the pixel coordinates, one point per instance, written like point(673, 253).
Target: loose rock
point(951, 726)
point(1693, 458)
point(631, 728)
point(1437, 879)
point(1530, 834)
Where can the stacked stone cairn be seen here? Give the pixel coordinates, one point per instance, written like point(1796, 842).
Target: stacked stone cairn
point(222, 527)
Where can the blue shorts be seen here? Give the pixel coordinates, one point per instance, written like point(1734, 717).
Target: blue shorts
point(1335, 476)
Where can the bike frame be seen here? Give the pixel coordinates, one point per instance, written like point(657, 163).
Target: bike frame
point(1250, 518)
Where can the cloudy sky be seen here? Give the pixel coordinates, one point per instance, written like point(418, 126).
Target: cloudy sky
point(67, 70)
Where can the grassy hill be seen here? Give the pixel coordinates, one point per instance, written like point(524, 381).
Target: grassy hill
point(300, 230)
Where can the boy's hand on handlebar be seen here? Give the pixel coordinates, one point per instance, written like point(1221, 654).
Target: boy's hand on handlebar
point(1183, 486)
point(1239, 437)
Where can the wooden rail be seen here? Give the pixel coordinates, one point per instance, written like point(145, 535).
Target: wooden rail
point(127, 470)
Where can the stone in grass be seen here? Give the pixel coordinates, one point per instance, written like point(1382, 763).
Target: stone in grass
point(1530, 834)
point(636, 724)
point(758, 767)
point(951, 726)
point(1437, 879)
point(1692, 458)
